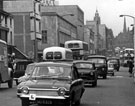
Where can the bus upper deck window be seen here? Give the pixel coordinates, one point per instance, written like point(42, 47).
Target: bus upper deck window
point(57, 55)
point(76, 45)
point(49, 55)
point(70, 45)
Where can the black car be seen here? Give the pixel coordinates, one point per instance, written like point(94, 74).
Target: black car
point(100, 64)
point(87, 72)
point(115, 61)
point(20, 69)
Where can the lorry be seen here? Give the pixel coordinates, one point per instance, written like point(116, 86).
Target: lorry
point(6, 73)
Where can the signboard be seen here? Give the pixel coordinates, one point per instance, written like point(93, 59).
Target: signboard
point(48, 2)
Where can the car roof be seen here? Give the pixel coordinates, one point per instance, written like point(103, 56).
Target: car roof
point(97, 56)
point(82, 61)
point(52, 63)
point(113, 58)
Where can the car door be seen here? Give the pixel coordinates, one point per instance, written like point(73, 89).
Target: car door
point(78, 85)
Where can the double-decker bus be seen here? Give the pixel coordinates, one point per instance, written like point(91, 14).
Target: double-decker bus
point(57, 53)
point(79, 48)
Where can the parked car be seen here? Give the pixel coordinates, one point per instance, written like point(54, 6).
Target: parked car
point(20, 69)
point(87, 72)
point(52, 83)
point(111, 69)
point(115, 61)
point(100, 64)
point(134, 76)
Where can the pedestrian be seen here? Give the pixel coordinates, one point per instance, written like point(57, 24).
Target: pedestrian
point(130, 65)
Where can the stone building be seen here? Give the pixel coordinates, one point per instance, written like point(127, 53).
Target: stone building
point(50, 28)
point(55, 31)
point(98, 40)
point(77, 18)
point(125, 38)
point(89, 38)
point(6, 26)
point(24, 23)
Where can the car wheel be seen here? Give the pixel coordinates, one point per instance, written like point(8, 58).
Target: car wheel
point(10, 83)
point(112, 74)
point(25, 102)
point(105, 76)
point(17, 82)
point(94, 84)
point(78, 102)
point(71, 100)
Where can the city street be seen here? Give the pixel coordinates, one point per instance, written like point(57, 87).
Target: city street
point(118, 90)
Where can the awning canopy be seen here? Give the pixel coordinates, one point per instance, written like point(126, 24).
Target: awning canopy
point(18, 53)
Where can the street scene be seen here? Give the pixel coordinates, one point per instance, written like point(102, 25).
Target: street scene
point(116, 90)
point(67, 53)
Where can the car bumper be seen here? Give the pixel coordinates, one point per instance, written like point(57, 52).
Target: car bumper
point(45, 99)
point(110, 71)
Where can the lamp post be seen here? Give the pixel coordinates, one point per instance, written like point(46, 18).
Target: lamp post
point(35, 32)
point(58, 36)
point(134, 32)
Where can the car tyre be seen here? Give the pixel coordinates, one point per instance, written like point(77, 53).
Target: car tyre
point(10, 83)
point(17, 82)
point(94, 84)
point(78, 102)
point(105, 76)
point(25, 102)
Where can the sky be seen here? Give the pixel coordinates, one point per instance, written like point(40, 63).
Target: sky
point(109, 11)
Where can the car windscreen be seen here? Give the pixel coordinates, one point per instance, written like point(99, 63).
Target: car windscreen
point(52, 72)
point(97, 60)
point(29, 69)
point(84, 65)
point(113, 61)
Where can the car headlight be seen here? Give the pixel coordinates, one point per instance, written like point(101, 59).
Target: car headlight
point(25, 90)
point(61, 91)
point(91, 73)
point(103, 69)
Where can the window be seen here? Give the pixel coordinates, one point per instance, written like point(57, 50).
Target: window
point(44, 36)
point(11, 22)
point(5, 21)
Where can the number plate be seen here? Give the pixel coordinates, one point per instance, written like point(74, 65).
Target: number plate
point(32, 97)
point(44, 102)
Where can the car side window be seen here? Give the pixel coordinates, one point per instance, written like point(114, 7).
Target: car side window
point(76, 74)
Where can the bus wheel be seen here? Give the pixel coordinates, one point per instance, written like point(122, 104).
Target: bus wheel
point(10, 83)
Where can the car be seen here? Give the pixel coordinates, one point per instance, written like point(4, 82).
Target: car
point(100, 64)
point(115, 61)
point(87, 72)
point(28, 72)
point(111, 69)
point(19, 69)
point(134, 76)
point(54, 83)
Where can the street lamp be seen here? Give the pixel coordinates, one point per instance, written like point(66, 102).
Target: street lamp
point(134, 32)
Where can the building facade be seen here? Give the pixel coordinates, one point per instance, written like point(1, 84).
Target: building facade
point(77, 18)
point(89, 38)
point(26, 23)
point(30, 23)
point(6, 26)
point(55, 31)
